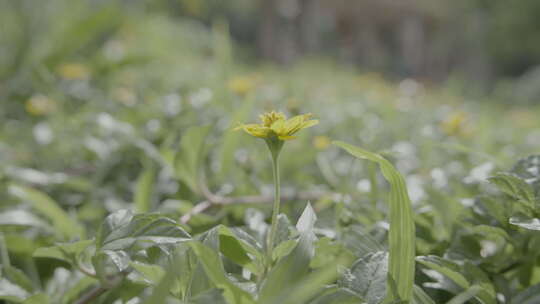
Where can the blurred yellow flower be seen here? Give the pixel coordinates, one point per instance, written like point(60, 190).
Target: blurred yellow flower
point(242, 85)
point(40, 105)
point(73, 71)
point(276, 125)
point(321, 142)
point(456, 124)
point(125, 96)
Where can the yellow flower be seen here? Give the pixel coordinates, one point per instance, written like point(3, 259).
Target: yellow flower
point(40, 105)
point(456, 124)
point(242, 85)
point(321, 142)
point(73, 71)
point(276, 125)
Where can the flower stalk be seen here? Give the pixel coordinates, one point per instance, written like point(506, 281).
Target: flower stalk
point(275, 129)
point(275, 147)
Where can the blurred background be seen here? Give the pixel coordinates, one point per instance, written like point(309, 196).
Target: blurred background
point(100, 98)
point(483, 46)
point(129, 104)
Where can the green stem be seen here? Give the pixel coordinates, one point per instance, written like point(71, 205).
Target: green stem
point(275, 211)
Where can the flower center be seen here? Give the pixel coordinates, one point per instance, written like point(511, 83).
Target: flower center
point(269, 118)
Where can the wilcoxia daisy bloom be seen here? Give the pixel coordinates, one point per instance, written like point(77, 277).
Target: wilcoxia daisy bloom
point(276, 125)
point(275, 129)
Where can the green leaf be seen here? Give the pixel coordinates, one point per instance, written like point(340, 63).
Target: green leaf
point(42, 203)
point(293, 267)
point(420, 296)
point(12, 292)
point(152, 274)
point(108, 264)
point(446, 268)
point(18, 277)
point(188, 160)
point(459, 279)
point(309, 285)
point(530, 295)
point(77, 289)
point(63, 251)
point(465, 296)
point(214, 296)
point(338, 296)
point(162, 290)
point(214, 269)
point(327, 251)
point(39, 298)
point(124, 231)
point(22, 218)
point(514, 187)
point(525, 222)
point(143, 190)
point(402, 230)
point(367, 277)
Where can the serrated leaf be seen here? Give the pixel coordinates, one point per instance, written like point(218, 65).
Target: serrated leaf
point(45, 205)
point(367, 277)
point(529, 170)
point(402, 231)
point(514, 187)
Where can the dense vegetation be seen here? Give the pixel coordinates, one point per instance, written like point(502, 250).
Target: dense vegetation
point(122, 181)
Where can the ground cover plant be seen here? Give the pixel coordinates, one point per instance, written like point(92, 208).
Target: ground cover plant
point(123, 179)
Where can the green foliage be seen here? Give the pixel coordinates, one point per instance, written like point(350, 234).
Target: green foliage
point(120, 178)
point(402, 231)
